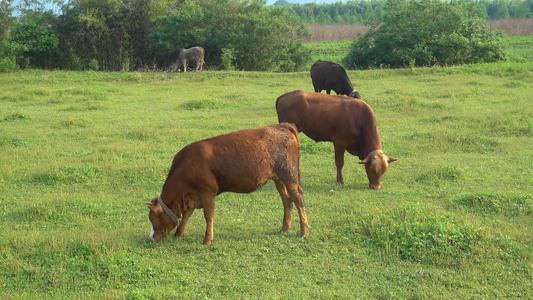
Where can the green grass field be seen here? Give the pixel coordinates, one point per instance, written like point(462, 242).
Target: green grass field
point(81, 153)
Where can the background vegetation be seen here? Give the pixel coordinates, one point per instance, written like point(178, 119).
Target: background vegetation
point(426, 33)
point(368, 12)
point(81, 152)
point(125, 35)
point(145, 34)
point(258, 39)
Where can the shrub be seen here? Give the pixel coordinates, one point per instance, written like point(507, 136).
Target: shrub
point(8, 60)
point(260, 38)
point(426, 33)
point(227, 59)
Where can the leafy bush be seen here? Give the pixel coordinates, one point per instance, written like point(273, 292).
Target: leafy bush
point(8, 61)
point(426, 33)
point(261, 39)
point(37, 44)
point(227, 59)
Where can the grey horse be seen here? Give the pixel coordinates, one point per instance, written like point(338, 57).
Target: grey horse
point(185, 56)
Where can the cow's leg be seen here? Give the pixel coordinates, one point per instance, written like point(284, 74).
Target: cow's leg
point(287, 205)
point(328, 91)
point(208, 203)
point(184, 63)
point(295, 191)
point(339, 160)
point(181, 229)
point(198, 65)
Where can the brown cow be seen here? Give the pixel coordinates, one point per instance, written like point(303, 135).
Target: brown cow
point(347, 122)
point(239, 162)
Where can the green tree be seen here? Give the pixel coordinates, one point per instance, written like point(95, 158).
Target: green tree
point(7, 48)
point(426, 33)
point(37, 45)
point(258, 37)
point(6, 18)
point(281, 2)
point(503, 12)
point(32, 39)
point(94, 30)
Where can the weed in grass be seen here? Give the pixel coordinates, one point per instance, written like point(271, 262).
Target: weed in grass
point(202, 104)
point(15, 117)
point(508, 205)
point(78, 122)
point(436, 175)
point(17, 99)
point(418, 233)
point(67, 174)
point(475, 144)
point(12, 141)
point(510, 249)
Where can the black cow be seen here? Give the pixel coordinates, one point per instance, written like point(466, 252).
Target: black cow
point(331, 76)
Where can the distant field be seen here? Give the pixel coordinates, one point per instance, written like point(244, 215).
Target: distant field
point(81, 153)
point(520, 49)
point(352, 31)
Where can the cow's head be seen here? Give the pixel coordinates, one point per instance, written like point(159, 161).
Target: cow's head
point(162, 223)
point(376, 164)
point(355, 94)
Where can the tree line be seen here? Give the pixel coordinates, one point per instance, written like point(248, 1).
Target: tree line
point(368, 12)
point(116, 35)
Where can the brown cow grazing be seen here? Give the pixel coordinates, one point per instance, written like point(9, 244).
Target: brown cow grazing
point(329, 76)
point(240, 162)
point(348, 123)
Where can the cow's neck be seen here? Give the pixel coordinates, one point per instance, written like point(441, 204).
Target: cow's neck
point(171, 200)
point(371, 142)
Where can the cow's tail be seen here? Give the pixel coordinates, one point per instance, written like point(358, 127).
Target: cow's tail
point(292, 128)
point(202, 58)
point(294, 131)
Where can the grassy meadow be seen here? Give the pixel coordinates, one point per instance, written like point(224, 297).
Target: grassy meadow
point(82, 152)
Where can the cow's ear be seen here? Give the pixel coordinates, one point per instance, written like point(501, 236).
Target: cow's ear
point(364, 161)
point(391, 159)
point(154, 206)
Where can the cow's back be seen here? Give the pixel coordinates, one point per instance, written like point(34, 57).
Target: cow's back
point(328, 76)
point(240, 161)
point(319, 116)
